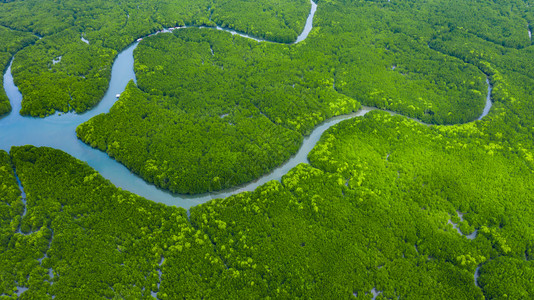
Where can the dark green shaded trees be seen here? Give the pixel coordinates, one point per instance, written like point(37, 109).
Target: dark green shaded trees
point(370, 34)
point(372, 211)
point(276, 21)
point(507, 277)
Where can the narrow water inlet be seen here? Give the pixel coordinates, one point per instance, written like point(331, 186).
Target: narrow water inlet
point(477, 274)
point(84, 40)
point(23, 196)
point(155, 294)
point(488, 105)
point(471, 236)
point(309, 23)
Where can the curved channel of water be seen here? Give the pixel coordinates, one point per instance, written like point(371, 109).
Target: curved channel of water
point(487, 107)
point(59, 131)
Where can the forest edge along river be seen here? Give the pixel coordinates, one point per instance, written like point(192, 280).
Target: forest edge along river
point(59, 131)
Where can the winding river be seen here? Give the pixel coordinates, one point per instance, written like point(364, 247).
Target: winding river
point(59, 131)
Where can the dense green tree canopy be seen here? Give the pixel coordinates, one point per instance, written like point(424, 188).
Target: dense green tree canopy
point(201, 80)
point(237, 112)
point(441, 210)
point(376, 201)
point(79, 78)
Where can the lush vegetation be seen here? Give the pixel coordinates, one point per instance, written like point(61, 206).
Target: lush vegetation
point(366, 33)
point(69, 74)
point(213, 120)
point(21, 251)
point(198, 85)
point(372, 210)
point(279, 21)
point(12, 41)
point(64, 73)
point(115, 24)
point(374, 203)
point(438, 167)
point(193, 153)
point(106, 242)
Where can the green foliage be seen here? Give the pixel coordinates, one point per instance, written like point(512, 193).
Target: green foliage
point(500, 23)
point(115, 24)
point(68, 74)
point(162, 144)
point(507, 278)
point(382, 66)
point(359, 52)
point(79, 80)
point(9, 190)
point(19, 252)
point(273, 20)
point(511, 72)
point(368, 38)
point(381, 156)
point(303, 237)
point(236, 113)
point(372, 210)
point(106, 242)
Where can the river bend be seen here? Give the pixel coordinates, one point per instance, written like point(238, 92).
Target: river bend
point(59, 131)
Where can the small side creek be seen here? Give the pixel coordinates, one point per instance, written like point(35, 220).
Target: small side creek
point(477, 274)
point(471, 236)
point(23, 196)
point(155, 294)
